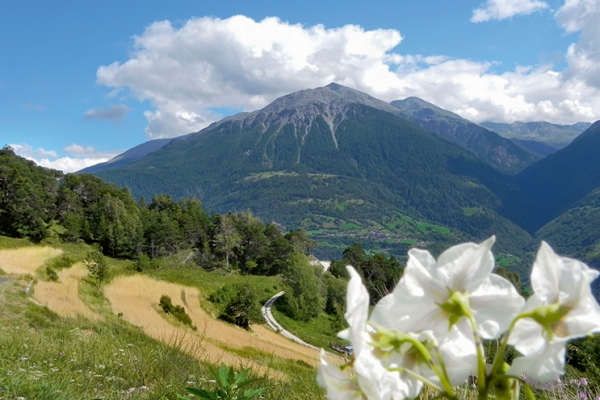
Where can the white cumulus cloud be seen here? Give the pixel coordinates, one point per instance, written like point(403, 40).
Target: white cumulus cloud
point(584, 56)
point(80, 156)
point(210, 63)
point(502, 9)
point(241, 63)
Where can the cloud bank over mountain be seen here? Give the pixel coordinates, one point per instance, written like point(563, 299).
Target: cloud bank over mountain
point(188, 71)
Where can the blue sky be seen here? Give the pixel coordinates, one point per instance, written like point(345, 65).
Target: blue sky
point(81, 81)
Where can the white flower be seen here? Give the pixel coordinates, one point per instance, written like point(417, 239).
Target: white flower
point(545, 364)
point(457, 352)
point(561, 308)
point(339, 386)
point(373, 381)
point(436, 295)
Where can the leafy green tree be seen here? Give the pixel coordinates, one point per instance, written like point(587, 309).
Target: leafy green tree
point(194, 222)
point(96, 264)
point(27, 196)
point(226, 237)
point(253, 242)
point(119, 227)
point(380, 273)
point(276, 256)
point(300, 241)
point(335, 301)
point(303, 299)
point(243, 307)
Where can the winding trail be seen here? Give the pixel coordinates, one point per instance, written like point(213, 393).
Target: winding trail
point(273, 324)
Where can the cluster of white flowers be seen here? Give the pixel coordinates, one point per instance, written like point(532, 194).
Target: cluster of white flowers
point(429, 330)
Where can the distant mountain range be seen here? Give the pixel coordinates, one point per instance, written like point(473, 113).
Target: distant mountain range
point(553, 135)
point(351, 168)
point(499, 152)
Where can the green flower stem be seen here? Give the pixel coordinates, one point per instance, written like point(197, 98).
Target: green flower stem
point(448, 389)
point(481, 372)
point(444, 371)
point(499, 358)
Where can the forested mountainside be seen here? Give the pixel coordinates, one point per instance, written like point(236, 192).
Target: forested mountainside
point(135, 153)
point(327, 157)
point(556, 183)
point(488, 146)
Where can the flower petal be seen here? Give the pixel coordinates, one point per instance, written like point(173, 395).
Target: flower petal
point(544, 365)
point(339, 386)
point(495, 303)
point(420, 277)
point(465, 266)
point(545, 274)
point(459, 356)
point(583, 319)
point(357, 311)
point(405, 313)
point(527, 337)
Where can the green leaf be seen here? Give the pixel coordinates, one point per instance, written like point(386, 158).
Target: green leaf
point(250, 393)
point(203, 394)
point(241, 377)
point(222, 376)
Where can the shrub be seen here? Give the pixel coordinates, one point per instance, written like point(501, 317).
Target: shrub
point(96, 264)
point(51, 273)
point(61, 262)
point(230, 386)
point(145, 263)
point(177, 311)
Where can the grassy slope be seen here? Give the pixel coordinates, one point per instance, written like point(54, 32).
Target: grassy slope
point(44, 356)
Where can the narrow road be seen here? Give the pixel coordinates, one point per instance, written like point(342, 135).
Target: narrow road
point(273, 324)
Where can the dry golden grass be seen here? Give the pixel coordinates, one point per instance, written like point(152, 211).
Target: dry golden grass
point(63, 297)
point(26, 260)
point(136, 298)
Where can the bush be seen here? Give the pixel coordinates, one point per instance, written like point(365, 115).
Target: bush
point(51, 273)
point(56, 264)
point(61, 262)
point(145, 263)
point(177, 311)
point(96, 264)
point(243, 307)
point(223, 295)
point(238, 304)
